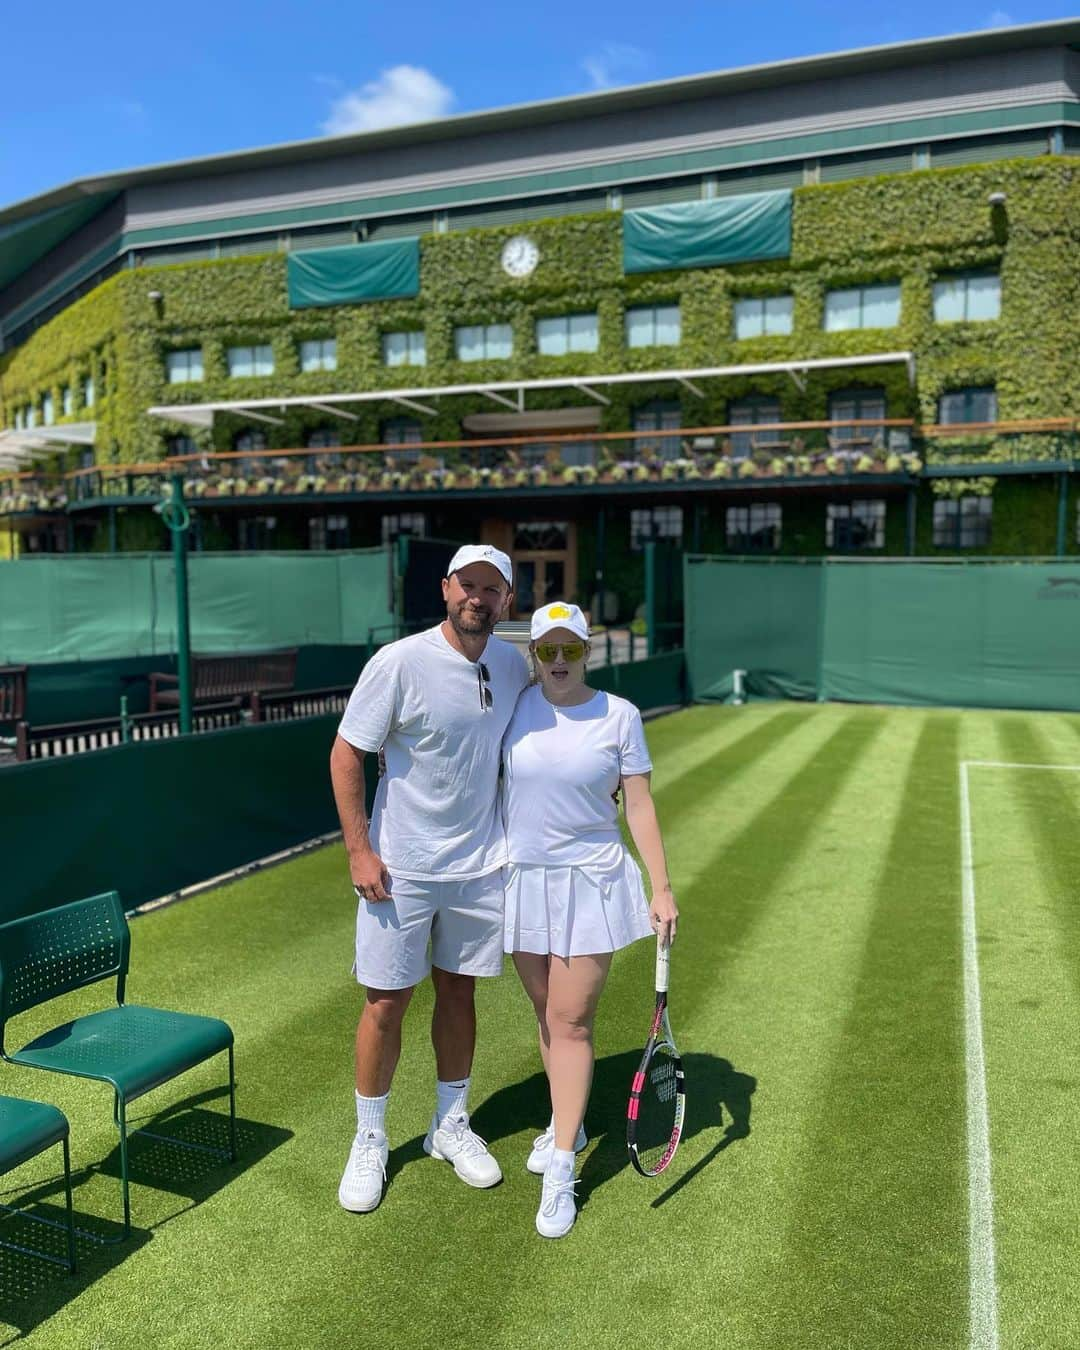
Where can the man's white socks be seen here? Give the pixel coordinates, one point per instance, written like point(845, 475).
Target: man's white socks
point(451, 1099)
point(371, 1113)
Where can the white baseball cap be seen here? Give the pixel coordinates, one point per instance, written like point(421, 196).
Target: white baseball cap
point(474, 553)
point(559, 615)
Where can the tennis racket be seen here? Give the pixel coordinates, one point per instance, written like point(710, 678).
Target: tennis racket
point(654, 1113)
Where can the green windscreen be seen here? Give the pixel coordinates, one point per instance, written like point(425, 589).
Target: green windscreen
point(968, 634)
point(708, 233)
point(87, 607)
point(762, 618)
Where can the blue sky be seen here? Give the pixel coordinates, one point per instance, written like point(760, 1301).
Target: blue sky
point(89, 89)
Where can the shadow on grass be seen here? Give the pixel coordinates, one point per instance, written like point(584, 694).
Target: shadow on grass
point(31, 1290)
point(717, 1096)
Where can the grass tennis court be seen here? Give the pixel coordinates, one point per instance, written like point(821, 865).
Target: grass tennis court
point(821, 1196)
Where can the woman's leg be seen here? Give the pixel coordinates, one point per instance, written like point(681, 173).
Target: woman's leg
point(533, 973)
point(574, 986)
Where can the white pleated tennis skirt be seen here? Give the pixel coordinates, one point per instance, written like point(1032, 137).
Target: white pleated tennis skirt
point(574, 911)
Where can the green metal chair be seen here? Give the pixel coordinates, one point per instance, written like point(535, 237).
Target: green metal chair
point(132, 1048)
point(27, 1129)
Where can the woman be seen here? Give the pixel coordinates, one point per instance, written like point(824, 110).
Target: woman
point(574, 894)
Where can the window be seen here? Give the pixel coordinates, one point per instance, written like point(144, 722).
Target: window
point(31, 417)
point(67, 400)
point(542, 536)
point(856, 405)
point(657, 522)
point(48, 410)
point(753, 529)
point(251, 438)
point(853, 526)
point(258, 532)
point(568, 333)
point(402, 431)
point(414, 524)
point(862, 307)
point(753, 411)
point(184, 367)
point(653, 326)
point(20, 419)
point(661, 415)
point(248, 361)
point(322, 438)
point(180, 445)
point(88, 391)
point(318, 354)
point(484, 342)
point(404, 349)
point(975, 404)
point(764, 316)
point(962, 522)
point(971, 296)
point(326, 532)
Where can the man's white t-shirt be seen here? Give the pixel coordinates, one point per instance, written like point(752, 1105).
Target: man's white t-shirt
point(561, 766)
point(436, 812)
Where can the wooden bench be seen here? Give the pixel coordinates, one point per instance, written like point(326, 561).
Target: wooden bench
point(237, 675)
point(299, 703)
point(76, 738)
point(12, 693)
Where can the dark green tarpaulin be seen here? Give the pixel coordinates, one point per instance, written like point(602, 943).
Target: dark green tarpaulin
point(709, 233)
point(762, 618)
point(84, 607)
point(967, 634)
point(353, 273)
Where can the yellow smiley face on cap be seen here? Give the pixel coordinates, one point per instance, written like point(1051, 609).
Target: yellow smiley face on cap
point(558, 612)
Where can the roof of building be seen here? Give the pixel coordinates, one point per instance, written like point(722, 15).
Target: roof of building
point(30, 228)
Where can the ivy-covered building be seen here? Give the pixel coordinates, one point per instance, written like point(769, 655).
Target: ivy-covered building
point(824, 305)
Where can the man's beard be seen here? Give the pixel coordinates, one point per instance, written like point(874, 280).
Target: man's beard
point(477, 623)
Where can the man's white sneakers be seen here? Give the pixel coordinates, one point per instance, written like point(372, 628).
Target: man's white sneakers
point(365, 1173)
point(454, 1142)
point(558, 1207)
point(543, 1145)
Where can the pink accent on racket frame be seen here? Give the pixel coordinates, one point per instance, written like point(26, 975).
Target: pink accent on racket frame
point(639, 1081)
point(632, 1108)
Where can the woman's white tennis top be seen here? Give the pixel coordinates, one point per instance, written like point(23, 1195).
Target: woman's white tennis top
point(561, 767)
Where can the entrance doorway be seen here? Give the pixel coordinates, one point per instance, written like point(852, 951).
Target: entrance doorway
point(544, 554)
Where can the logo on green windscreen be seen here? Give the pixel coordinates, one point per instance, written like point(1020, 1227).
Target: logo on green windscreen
point(1060, 588)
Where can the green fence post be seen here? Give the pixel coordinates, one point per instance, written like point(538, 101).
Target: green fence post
point(176, 517)
point(650, 597)
point(601, 547)
point(1062, 513)
point(912, 506)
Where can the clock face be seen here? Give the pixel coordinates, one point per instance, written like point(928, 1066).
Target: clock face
point(520, 256)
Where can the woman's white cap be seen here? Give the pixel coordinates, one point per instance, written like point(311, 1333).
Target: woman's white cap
point(474, 553)
point(559, 615)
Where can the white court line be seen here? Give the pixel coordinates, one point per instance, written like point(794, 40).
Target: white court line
point(982, 1276)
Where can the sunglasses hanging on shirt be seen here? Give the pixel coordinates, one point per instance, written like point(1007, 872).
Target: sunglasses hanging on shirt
point(483, 680)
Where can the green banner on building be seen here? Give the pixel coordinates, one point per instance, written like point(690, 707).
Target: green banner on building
point(354, 273)
point(709, 233)
point(987, 634)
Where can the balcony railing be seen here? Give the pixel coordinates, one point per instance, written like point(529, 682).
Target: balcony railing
point(774, 450)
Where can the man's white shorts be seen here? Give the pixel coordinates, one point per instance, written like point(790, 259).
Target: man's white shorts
point(462, 920)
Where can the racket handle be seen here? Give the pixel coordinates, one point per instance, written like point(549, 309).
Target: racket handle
point(663, 966)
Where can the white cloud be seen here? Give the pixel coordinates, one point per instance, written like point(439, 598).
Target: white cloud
point(614, 63)
point(400, 95)
point(999, 18)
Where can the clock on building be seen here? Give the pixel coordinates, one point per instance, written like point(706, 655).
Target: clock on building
point(520, 256)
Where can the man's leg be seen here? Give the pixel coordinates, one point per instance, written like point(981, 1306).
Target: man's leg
point(453, 1024)
point(378, 1040)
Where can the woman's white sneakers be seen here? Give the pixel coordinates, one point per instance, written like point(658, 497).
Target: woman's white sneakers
point(454, 1142)
point(365, 1173)
point(558, 1206)
point(544, 1143)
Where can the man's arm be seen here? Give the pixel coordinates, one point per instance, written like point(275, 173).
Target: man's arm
point(366, 868)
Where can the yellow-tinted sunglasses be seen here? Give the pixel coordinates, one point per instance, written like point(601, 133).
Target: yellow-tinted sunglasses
point(548, 652)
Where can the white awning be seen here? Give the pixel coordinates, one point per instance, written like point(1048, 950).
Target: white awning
point(19, 448)
point(512, 394)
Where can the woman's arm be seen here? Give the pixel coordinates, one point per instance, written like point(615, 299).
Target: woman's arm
point(645, 831)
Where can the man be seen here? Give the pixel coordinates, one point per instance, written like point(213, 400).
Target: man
point(429, 868)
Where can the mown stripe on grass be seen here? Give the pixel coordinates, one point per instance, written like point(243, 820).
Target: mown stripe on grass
point(877, 1243)
point(1027, 854)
